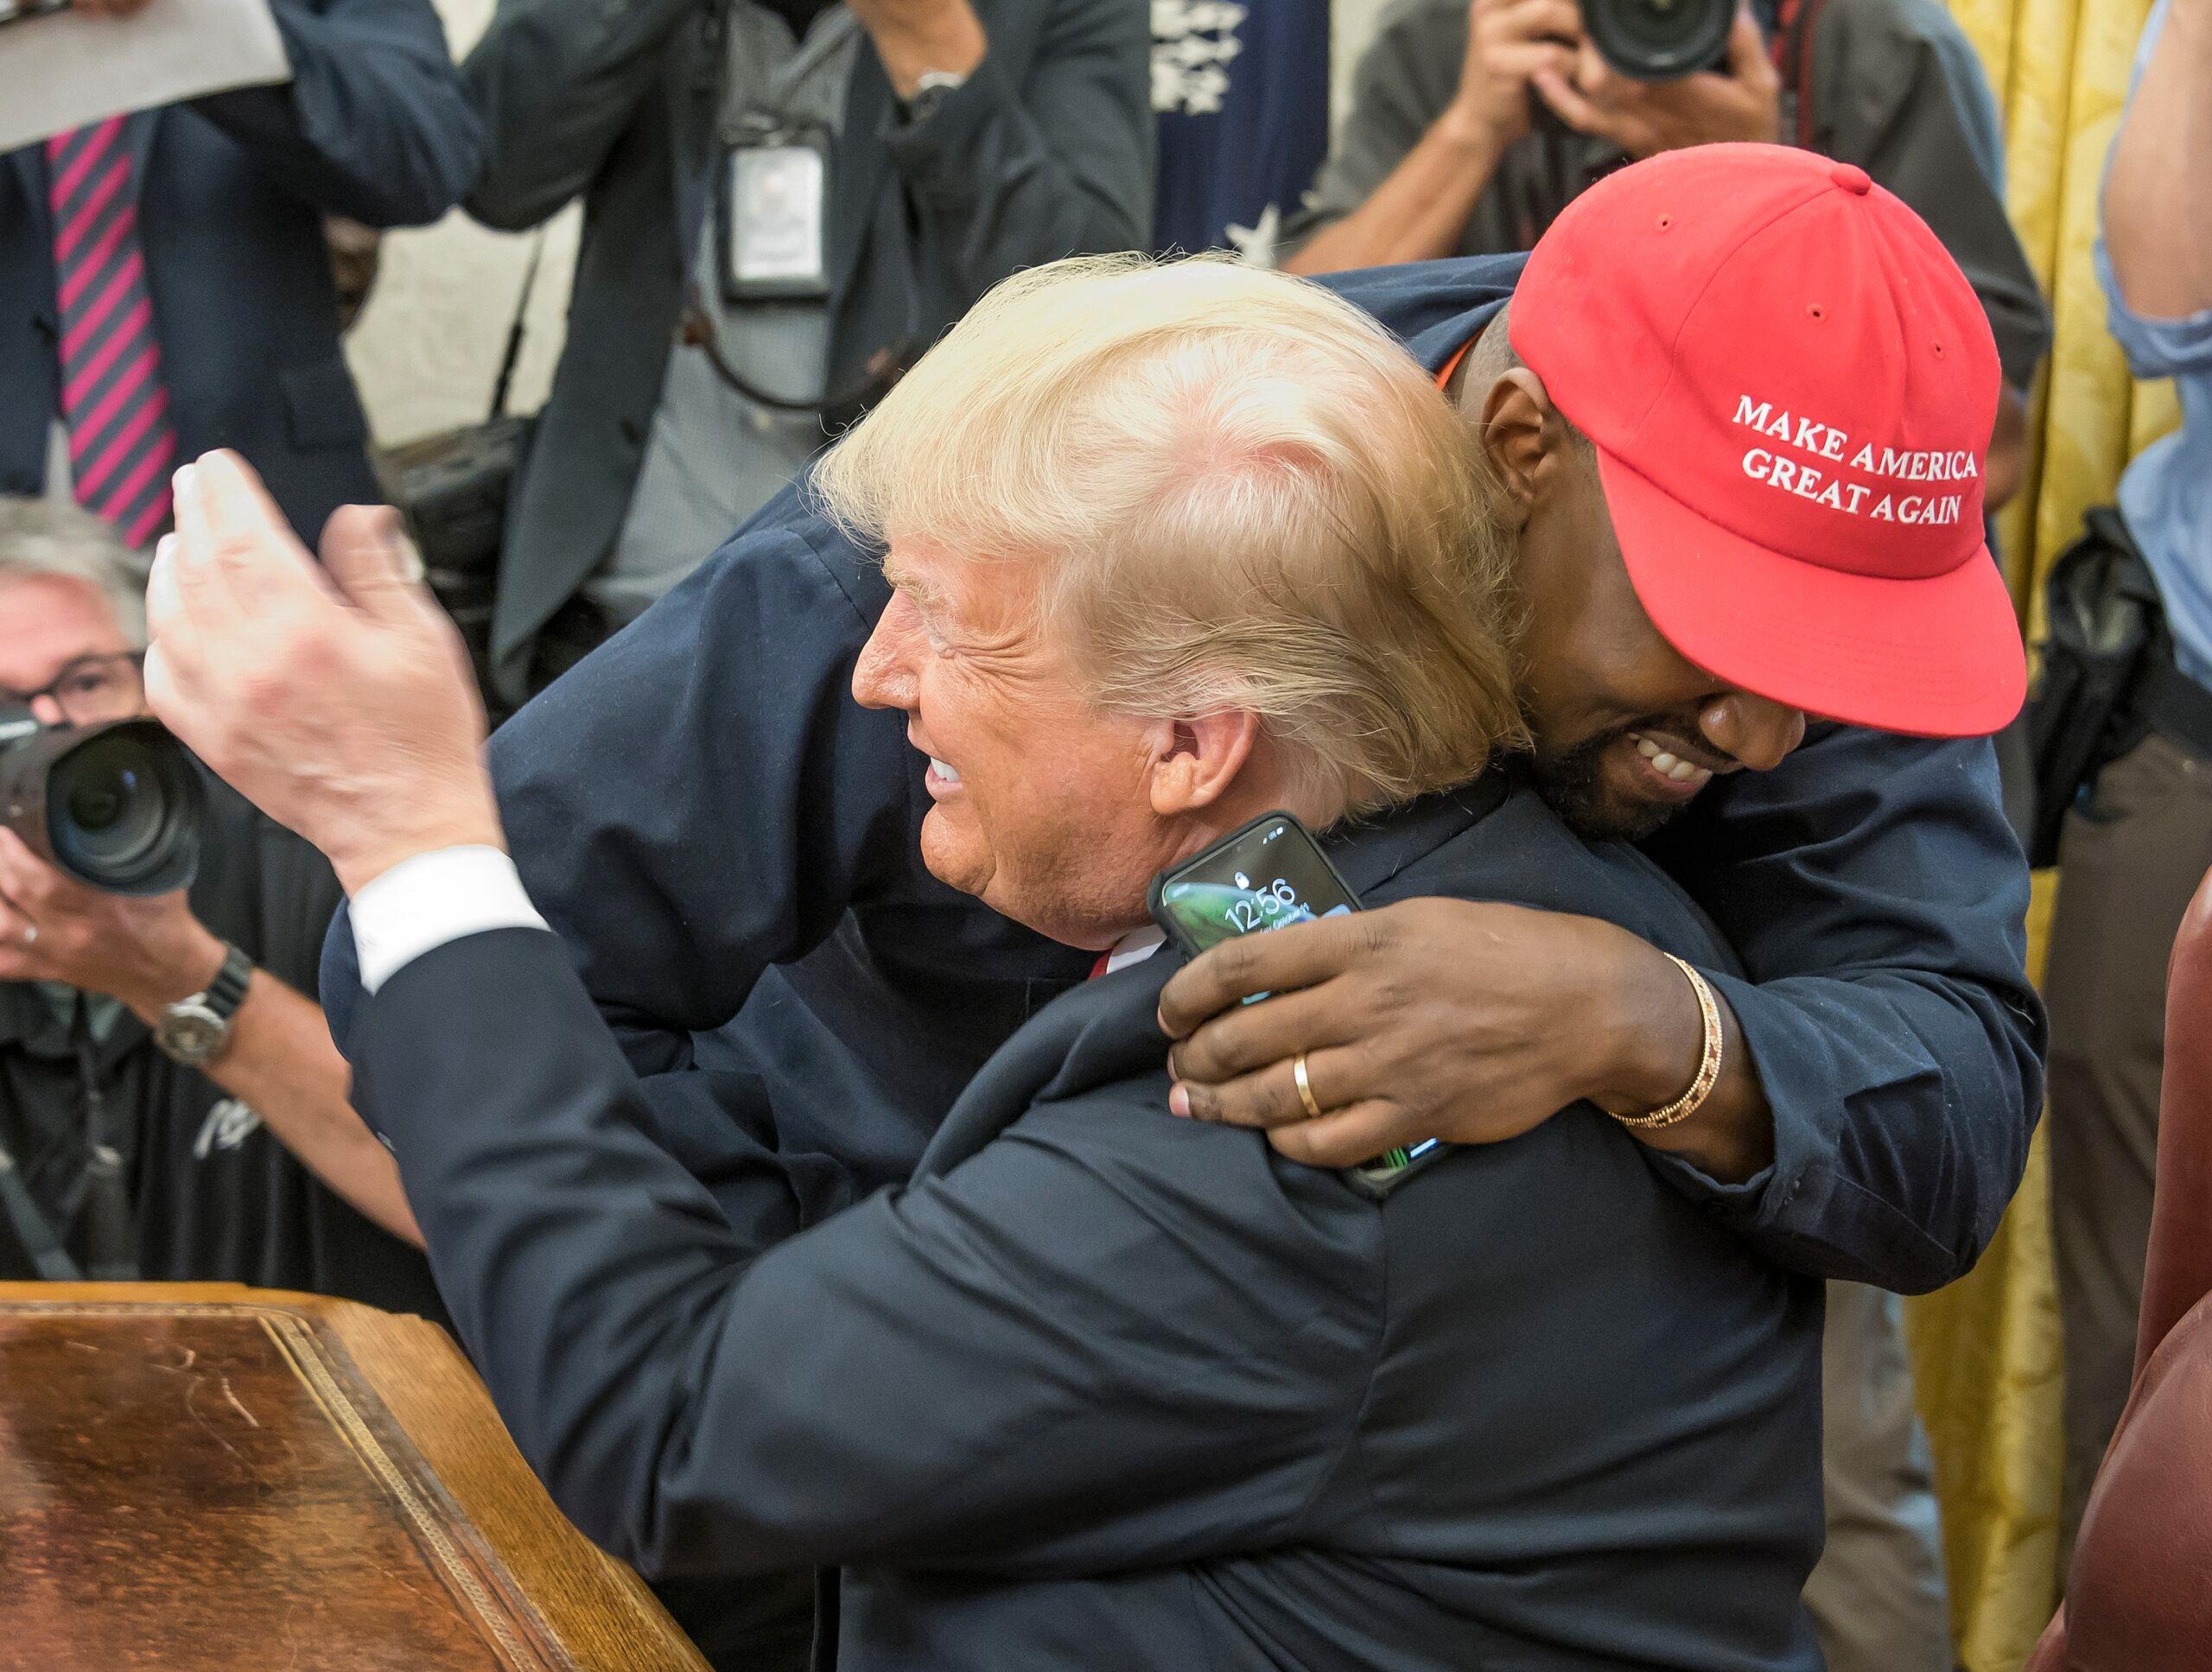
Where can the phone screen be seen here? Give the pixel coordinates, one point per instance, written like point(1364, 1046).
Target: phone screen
point(1267, 875)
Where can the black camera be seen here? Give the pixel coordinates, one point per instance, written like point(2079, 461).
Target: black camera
point(1660, 40)
point(118, 806)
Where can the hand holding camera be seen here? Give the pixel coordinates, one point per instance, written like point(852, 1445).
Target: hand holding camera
point(1509, 43)
point(100, 826)
point(1740, 102)
point(147, 951)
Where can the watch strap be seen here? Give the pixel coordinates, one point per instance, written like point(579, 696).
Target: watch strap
point(227, 991)
point(931, 89)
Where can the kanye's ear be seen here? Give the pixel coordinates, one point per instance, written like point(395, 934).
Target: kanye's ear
point(1200, 759)
point(1518, 428)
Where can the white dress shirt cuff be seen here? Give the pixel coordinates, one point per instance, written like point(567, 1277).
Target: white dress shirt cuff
point(421, 903)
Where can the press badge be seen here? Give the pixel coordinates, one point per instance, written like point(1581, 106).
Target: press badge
point(775, 183)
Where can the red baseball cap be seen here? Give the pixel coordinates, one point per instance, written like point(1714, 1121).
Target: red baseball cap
point(1791, 387)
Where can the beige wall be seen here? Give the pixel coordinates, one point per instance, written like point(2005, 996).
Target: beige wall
point(1351, 22)
point(427, 349)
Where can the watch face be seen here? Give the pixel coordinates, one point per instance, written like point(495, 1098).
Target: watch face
point(193, 1033)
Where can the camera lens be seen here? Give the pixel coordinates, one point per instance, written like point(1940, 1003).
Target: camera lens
point(96, 807)
point(120, 807)
point(1660, 40)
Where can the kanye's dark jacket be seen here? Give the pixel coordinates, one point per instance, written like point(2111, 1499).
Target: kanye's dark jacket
point(727, 844)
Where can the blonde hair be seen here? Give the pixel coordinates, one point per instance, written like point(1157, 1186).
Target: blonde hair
point(40, 538)
point(1243, 495)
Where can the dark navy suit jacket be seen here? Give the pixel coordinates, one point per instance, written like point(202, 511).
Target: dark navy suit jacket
point(1104, 1389)
point(232, 192)
point(718, 831)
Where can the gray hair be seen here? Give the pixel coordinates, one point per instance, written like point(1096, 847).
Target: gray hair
point(48, 537)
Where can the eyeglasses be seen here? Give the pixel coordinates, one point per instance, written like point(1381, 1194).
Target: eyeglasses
point(91, 689)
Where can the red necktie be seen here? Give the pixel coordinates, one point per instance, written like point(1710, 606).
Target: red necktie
point(121, 444)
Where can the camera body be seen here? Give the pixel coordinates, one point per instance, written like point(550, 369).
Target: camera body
point(118, 806)
point(453, 489)
point(1660, 40)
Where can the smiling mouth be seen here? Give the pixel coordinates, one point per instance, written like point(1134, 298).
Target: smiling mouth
point(1673, 774)
point(943, 778)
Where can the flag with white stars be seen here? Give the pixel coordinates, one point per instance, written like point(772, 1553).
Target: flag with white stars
point(1241, 92)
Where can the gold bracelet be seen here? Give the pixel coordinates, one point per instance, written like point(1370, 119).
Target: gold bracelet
point(1708, 1062)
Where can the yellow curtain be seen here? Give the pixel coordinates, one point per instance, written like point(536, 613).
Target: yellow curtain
point(1987, 1348)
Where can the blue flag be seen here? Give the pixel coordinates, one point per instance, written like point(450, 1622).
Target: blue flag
point(1241, 95)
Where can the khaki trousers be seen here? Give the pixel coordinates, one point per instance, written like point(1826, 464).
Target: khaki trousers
point(1877, 1598)
point(2128, 865)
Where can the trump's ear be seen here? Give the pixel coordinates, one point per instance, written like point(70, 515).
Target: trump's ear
point(1201, 759)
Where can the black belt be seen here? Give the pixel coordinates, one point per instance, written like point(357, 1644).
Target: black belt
point(2177, 707)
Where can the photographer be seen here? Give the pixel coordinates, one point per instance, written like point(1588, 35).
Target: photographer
point(786, 201)
point(145, 1140)
point(1472, 127)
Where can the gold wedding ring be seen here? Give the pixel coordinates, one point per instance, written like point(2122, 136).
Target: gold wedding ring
point(1304, 1086)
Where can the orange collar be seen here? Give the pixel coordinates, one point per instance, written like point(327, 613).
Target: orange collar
point(1444, 376)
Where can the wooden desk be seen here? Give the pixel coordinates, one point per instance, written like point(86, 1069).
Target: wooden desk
point(204, 1477)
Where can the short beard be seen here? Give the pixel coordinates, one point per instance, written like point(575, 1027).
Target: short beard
point(1572, 785)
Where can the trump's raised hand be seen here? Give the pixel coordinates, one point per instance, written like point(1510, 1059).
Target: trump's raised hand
point(337, 699)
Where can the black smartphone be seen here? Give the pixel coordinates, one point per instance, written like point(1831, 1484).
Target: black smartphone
point(17, 11)
point(1266, 875)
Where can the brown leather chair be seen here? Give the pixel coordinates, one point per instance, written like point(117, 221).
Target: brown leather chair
point(2139, 1596)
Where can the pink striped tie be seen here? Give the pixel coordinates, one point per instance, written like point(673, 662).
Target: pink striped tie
point(121, 443)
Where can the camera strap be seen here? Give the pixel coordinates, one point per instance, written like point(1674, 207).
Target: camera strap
point(512, 356)
point(884, 367)
point(48, 1258)
point(98, 1198)
point(34, 1231)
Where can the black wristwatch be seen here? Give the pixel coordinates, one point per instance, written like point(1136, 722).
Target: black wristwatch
point(197, 1029)
point(931, 89)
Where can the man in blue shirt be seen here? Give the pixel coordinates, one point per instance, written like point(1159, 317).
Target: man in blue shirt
point(2133, 854)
